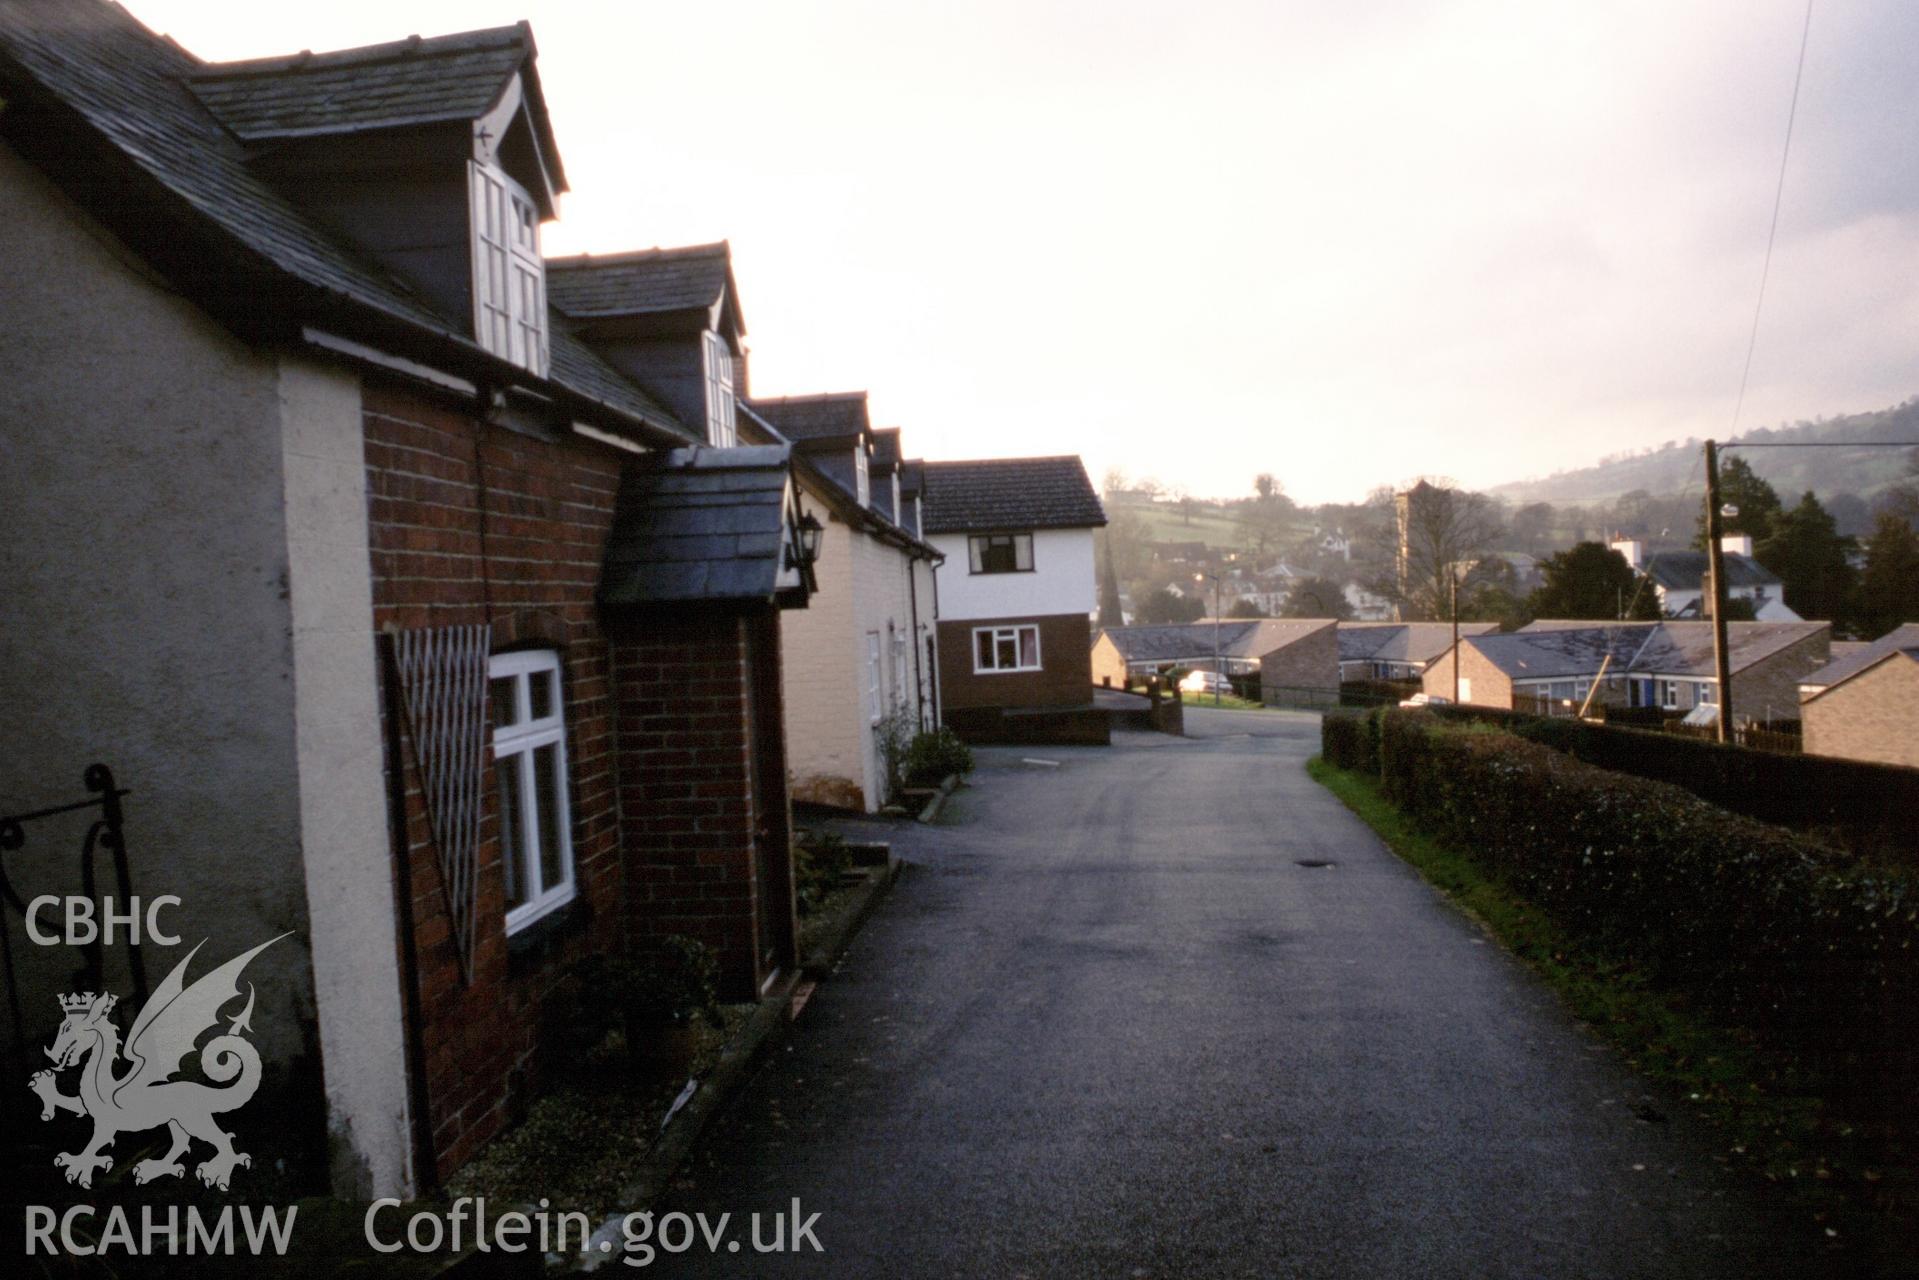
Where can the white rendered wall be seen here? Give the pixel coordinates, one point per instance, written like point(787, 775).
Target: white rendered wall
point(1062, 580)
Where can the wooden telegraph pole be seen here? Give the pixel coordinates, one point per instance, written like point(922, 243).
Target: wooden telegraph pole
point(1716, 568)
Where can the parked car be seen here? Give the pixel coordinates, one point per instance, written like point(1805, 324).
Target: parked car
point(1425, 700)
point(1205, 682)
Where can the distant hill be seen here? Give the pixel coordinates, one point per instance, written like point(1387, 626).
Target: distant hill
point(1673, 467)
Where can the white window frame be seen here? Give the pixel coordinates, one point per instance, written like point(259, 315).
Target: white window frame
point(862, 475)
point(901, 656)
point(976, 544)
point(722, 430)
point(1011, 633)
point(873, 707)
point(509, 274)
point(519, 743)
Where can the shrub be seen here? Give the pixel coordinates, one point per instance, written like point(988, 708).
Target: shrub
point(1350, 740)
point(820, 860)
point(1767, 929)
point(935, 754)
point(665, 981)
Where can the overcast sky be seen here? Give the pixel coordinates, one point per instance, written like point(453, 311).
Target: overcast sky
point(1346, 243)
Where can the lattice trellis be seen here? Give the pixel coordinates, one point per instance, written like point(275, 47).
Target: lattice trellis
point(443, 679)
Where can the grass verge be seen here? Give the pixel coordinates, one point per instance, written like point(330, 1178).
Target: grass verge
point(1771, 1120)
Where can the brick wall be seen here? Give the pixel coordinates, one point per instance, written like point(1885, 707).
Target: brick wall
point(1873, 716)
point(1066, 661)
point(690, 767)
point(1490, 687)
point(1310, 662)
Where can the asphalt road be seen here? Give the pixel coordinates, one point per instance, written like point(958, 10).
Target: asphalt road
point(1109, 1025)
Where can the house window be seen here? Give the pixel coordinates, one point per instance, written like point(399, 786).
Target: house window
point(900, 675)
point(862, 481)
point(1005, 649)
point(720, 427)
point(1000, 552)
point(529, 767)
point(873, 707)
point(509, 276)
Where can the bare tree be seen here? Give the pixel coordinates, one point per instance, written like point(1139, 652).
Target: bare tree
point(1442, 530)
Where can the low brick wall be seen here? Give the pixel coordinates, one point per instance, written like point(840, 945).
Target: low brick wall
point(1068, 726)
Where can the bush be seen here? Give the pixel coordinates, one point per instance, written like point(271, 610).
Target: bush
point(820, 860)
point(665, 981)
point(1350, 740)
point(1766, 929)
point(932, 756)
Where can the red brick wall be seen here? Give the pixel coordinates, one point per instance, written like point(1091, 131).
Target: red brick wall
point(1066, 661)
point(688, 789)
point(530, 567)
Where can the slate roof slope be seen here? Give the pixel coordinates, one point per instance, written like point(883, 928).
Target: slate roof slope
point(131, 86)
point(1402, 641)
point(1856, 659)
point(406, 82)
point(886, 447)
point(1686, 570)
point(594, 286)
point(1557, 649)
point(1009, 493)
point(912, 476)
point(1239, 638)
point(817, 417)
point(698, 524)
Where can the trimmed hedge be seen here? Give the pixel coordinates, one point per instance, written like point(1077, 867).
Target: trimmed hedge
point(1868, 808)
point(1815, 953)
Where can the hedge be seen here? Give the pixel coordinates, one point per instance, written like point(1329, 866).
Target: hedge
point(1768, 930)
point(1868, 808)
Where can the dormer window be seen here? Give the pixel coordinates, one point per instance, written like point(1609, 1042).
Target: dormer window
point(721, 430)
point(509, 276)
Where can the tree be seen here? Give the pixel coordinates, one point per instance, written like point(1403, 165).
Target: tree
point(1889, 587)
point(1757, 503)
point(1264, 485)
point(1164, 607)
point(1110, 612)
point(1442, 531)
point(1530, 526)
point(1245, 608)
point(1805, 549)
point(1316, 598)
point(1265, 522)
point(1590, 581)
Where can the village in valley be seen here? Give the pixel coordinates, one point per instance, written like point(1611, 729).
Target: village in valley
point(496, 783)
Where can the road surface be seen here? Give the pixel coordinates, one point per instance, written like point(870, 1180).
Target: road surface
point(1116, 1020)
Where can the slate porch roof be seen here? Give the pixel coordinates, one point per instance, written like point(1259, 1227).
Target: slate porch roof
point(1857, 659)
point(827, 416)
point(645, 282)
point(1239, 638)
point(1562, 650)
point(699, 524)
point(1009, 493)
point(181, 194)
point(1402, 641)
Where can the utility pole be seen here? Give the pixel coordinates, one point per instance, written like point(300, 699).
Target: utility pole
point(1716, 569)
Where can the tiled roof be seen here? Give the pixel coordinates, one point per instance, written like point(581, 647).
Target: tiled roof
point(698, 524)
point(132, 87)
point(912, 476)
point(886, 447)
point(1402, 641)
point(591, 286)
point(1238, 638)
point(1857, 658)
point(1010, 493)
point(1686, 570)
point(1555, 650)
point(836, 413)
point(407, 82)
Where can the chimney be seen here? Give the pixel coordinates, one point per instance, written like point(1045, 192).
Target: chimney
point(1736, 544)
point(1633, 549)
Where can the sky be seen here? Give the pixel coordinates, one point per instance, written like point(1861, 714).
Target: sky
point(1348, 244)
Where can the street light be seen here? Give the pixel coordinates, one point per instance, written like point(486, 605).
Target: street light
point(1219, 672)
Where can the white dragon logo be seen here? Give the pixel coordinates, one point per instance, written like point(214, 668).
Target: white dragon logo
point(146, 1096)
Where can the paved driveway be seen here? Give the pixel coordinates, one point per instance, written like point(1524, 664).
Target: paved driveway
point(1109, 1025)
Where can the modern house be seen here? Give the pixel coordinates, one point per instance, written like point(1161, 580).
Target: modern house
point(861, 670)
point(1679, 577)
point(1397, 650)
point(422, 622)
point(1287, 654)
point(1017, 588)
point(1552, 665)
point(1865, 705)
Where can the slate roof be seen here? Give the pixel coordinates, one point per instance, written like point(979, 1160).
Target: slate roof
point(1906, 654)
point(886, 447)
point(1686, 570)
point(1559, 650)
point(698, 524)
point(591, 286)
point(1237, 638)
point(132, 87)
point(406, 82)
point(1402, 641)
point(1857, 658)
point(818, 417)
point(912, 476)
point(1010, 493)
